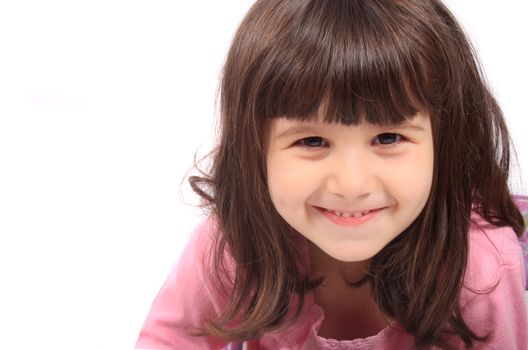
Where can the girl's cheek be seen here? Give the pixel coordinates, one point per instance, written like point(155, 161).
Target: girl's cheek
point(289, 177)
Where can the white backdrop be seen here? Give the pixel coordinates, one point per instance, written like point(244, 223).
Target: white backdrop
point(102, 107)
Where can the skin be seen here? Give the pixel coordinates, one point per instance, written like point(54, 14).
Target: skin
point(349, 168)
point(314, 167)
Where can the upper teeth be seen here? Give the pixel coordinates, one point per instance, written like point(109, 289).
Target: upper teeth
point(355, 214)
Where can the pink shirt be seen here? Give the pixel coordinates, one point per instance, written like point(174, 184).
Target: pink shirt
point(495, 257)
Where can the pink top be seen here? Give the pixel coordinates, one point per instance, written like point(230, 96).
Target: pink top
point(494, 258)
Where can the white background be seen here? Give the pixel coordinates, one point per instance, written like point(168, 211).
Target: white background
point(103, 105)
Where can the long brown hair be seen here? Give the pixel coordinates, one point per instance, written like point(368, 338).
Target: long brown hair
point(376, 60)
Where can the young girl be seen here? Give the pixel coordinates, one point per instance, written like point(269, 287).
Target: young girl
point(358, 194)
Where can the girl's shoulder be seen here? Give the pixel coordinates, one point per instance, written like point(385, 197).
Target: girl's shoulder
point(189, 296)
point(493, 251)
point(204, 232)
point(199, 246)
point(201, 249)
point(492, 299)
point(202, 242)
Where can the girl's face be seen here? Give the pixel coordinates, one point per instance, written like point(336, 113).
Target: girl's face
point(350, 190)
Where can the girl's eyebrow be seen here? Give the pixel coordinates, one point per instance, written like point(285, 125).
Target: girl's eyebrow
point(407, 124)
point(309, 128)
point(299, 129)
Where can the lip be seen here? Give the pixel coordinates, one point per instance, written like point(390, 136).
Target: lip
point(351, 221)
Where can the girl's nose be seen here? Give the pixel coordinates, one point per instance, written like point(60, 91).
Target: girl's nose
point(351, 177)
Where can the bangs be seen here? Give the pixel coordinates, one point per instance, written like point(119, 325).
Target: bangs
point(359, 60)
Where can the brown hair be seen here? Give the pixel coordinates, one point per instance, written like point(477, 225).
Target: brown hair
point(376, 60)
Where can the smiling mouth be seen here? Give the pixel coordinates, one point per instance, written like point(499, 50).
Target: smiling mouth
point(356, 214)
point(352, 218)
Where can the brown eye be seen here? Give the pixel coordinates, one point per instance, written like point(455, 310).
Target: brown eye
point(388, 139)
point(312, 142)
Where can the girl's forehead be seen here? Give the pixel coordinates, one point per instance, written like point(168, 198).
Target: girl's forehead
point(287, 126)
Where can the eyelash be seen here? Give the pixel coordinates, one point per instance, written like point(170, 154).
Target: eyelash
point(302, 142)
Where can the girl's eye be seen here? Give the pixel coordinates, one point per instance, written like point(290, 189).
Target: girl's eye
point(388, 139)
point(312, 142)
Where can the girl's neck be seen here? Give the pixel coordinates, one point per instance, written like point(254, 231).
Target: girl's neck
point(349, 312)
point(333, 270)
